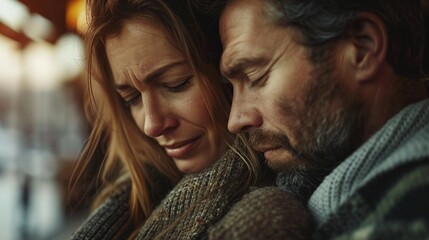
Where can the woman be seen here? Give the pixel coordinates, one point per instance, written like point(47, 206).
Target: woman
point(160, 111)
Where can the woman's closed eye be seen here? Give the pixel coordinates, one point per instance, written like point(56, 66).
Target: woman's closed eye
point(174, 87)
point(131, 100)
point(179, 86)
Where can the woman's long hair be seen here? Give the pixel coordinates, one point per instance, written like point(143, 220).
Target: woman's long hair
point(127, 151)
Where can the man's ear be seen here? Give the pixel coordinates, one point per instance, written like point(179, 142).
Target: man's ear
point(369, 42)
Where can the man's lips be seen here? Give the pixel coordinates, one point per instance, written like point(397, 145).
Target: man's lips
point(180, 149)
point(270, 152)
point(265, 148)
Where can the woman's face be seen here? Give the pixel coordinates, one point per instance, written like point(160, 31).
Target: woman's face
point(164, 97)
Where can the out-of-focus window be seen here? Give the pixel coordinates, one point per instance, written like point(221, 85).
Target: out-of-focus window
point(42, 126)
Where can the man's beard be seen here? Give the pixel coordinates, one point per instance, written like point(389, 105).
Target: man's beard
point(326, 127)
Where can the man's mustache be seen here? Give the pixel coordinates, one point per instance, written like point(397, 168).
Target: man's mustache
point(261, 140)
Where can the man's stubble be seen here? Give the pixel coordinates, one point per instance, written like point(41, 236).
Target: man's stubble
point(326, 127)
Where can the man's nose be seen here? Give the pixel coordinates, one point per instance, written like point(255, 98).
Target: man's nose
point(158, 119)
point(244, 114)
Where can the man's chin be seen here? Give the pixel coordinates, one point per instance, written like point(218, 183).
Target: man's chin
point(300, 180)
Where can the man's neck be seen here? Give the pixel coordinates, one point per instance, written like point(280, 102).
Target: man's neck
point(389, 97)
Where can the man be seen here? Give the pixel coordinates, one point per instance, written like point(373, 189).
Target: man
point(336, 88)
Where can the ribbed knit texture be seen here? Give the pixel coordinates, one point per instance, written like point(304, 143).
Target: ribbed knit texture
point(265, 213)
point(108, 220)
point(403, 140)
point(197, 202)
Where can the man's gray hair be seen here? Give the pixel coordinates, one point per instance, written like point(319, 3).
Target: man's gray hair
point(321, 22)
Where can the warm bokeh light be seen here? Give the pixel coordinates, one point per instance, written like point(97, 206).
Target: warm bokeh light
point(10, 65)
point(69, 52)
point(76, 16)
point(38, 27)
point(41, 66)
point(13, 13)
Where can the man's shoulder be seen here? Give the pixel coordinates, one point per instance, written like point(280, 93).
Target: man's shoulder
point(391, 205)
point(397, 183)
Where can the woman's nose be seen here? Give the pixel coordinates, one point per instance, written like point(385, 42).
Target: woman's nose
point(158, 118)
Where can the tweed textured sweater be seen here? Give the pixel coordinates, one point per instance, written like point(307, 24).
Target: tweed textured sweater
point(382, 190)
point(265, 213)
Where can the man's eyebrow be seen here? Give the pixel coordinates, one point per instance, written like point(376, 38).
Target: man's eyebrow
point(152, 75)
point(240, 65)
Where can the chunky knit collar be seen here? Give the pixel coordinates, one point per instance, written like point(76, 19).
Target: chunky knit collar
point(404, 139)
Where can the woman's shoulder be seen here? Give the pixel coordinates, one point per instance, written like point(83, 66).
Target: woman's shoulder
point(265, 213)
point(108, 219)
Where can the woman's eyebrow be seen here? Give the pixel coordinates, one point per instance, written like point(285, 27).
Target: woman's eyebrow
point(151, 76)
point(155, 74)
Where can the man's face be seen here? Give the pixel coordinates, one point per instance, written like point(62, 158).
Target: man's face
point(297, 113)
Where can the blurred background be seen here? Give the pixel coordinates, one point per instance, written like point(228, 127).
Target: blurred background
point(42, 125)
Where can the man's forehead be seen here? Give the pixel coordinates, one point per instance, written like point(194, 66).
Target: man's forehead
point(238, 28)
point(239, 17)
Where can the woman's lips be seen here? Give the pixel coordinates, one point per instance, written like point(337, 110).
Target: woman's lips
point(181, 149)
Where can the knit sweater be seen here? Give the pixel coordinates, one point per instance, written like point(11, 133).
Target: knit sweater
point(265, 213)
point(199, 207)
point(381, 190)
point(198, 201)
point(202, 206)
point(110, 219)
